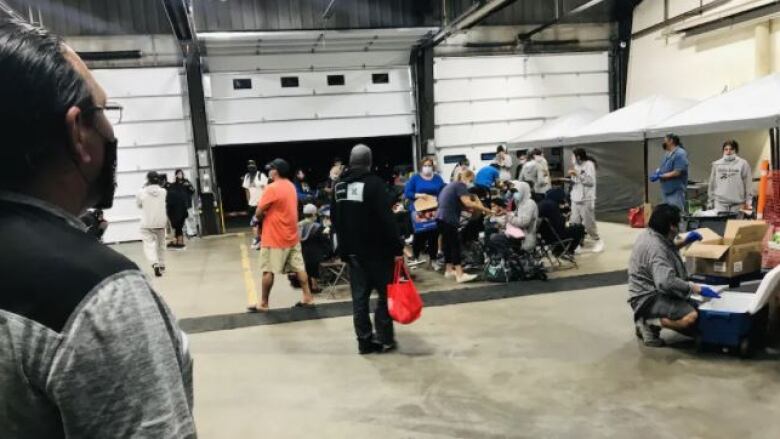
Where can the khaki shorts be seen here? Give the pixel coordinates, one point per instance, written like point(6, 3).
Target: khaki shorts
point(282, 260)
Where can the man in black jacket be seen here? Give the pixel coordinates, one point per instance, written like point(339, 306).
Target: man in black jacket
point(369, 241)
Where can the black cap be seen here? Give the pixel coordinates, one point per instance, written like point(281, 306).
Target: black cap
point(281, 166)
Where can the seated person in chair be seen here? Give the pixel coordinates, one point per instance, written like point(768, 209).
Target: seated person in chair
point(315, 244)
point(496, 222)
point(526, 214)
point(553, 229)
point(658, 286)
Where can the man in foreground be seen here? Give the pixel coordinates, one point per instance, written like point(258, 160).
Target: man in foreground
point(369, 241)
point(659, 291)
point(87, 349)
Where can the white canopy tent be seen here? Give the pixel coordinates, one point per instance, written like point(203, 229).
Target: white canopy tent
point(755, 105)
point(631, 122)
point(550, 133)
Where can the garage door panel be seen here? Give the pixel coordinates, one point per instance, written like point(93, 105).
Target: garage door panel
point(518, 86)
point(151, 108)
point(120, 83)
point(139, 159)
point(309, 83)
point(312, 130)
point(122, 231)
point(474, 67)
point(153, 133)
point(498, 132)
point(548, 108)
point(320, 60)
point(310, 107)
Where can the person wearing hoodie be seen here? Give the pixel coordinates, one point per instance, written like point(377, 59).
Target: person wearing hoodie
point(536, 173)
point(178, 201)
point(731, 181)
point(370, 242)
point(583, 195)
point(525, 215)
point(151, 201)
point(425, 185)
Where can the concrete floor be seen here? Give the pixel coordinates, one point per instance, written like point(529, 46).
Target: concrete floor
point(561, 365)
point(209, 277)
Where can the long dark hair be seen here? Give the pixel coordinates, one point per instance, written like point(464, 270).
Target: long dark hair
point(583, 156)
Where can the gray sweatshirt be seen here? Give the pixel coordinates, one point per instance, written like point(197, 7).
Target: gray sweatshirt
point(535, 173)
point(584, 187)
point(655, 268)
point(526, 215)
point(731, 181)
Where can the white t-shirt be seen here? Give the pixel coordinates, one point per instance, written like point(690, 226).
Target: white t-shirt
point(255, 187)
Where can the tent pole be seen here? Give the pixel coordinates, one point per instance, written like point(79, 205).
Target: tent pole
point(647, 177)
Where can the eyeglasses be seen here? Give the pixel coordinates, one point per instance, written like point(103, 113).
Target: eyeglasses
point(111, 110)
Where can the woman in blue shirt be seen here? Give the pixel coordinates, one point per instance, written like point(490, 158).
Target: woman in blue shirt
point(426, 184)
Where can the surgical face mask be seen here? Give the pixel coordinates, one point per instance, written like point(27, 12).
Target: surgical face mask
point(538, 158)
point(729, 157)
point(105, 184)
point(427, 170)
point(516, 196)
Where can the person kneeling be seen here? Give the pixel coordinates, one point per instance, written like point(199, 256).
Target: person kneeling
point(659, 292)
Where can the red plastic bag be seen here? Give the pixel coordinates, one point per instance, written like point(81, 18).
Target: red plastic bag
point(636, 217)
point(403, 300)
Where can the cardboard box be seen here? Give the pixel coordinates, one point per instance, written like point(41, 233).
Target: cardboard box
point(737, 253)
point(426, 203)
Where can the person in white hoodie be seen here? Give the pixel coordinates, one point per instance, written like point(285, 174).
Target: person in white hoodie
point(583, 195)
point(536, 173)
point(731, 181)
point(151, 201)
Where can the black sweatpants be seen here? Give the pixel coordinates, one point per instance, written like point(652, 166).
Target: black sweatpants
point(429, 239)
point(367, 275)
point(450, 242)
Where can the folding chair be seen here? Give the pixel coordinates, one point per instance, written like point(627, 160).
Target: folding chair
point(334, 273)
point(561, 259)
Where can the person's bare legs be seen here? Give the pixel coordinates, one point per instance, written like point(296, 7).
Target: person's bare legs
point(268, 283)
point(303, 278)
point(314, 283)
point(458, 271)
point(682, 325)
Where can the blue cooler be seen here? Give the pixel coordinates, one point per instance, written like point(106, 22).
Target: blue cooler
point(738, 320)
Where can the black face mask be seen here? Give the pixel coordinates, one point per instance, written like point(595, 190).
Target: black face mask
point(106, 183)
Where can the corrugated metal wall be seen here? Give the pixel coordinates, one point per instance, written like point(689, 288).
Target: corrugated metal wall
point(217, 15)
point(96, 17)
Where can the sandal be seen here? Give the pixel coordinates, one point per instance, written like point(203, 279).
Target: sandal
point(304, 305)
point(254, 309)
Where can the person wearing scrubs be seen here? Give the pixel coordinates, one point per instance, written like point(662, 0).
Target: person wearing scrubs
point(673, 173)
point(731, 181)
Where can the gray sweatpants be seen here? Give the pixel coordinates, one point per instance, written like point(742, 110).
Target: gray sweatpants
point(584, 212)
point(154, 245)
point(726, 207)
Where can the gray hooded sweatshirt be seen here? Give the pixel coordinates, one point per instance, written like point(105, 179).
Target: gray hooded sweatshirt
point(584, 188)
point(731, 181)
point(655, 268)
point(526, 215)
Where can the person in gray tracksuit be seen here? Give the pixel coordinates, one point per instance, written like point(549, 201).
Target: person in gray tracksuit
point(583, 195)
point(731, 181)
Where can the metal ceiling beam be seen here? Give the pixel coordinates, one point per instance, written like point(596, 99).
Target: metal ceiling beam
point(559, 17)
point(679, 18)
point(473, 16)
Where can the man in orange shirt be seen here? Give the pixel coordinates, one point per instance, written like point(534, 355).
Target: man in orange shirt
point(280, 246)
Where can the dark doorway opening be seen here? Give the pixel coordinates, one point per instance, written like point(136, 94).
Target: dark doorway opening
point(391, 154)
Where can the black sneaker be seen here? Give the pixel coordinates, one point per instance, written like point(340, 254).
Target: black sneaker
point(387, 348)
point(370, 347)
point(157, 271)
point(171, 245)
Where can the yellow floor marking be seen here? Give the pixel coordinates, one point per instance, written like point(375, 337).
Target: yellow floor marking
point(249, 279)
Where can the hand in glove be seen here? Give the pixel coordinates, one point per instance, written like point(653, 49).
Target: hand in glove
point(692, 237)
point(254, 222)
point(709, 292)
point(656, 176)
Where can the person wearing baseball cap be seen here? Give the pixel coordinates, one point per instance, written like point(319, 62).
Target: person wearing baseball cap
point(280, 246)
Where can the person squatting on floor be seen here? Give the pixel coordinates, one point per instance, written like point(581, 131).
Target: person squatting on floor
point(659, 291)
point(280, 245)
point(369, 241)
point(87, 348)
point(583, 195)
point(151, 201)
point(731, 181)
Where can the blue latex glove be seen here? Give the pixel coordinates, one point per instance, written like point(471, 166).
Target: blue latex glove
point(692, 237)
point(709, 292)
point(656, 176)
point(254, 222)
